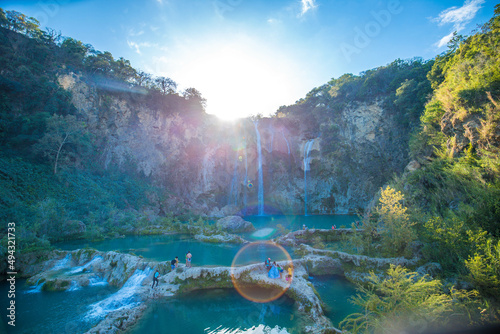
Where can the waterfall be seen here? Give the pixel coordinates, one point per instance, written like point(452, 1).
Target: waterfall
point(286, 140)
point(261, 181)
point(233, 190)
point(74, 286)
point(63, 263)
point(35, 288)
point(79, 269)
point(125, 298)
point(246, 182)
point(307, 149)
point(97, 281)
point(271, 129)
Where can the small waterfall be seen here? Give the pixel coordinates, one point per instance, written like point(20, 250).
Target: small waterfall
point(63, 263)
point(261, 179)
point(36, 288)
point(125, 298)
point(307, 149)
point(97, 281)
point(74, 286)
point(233, 190)
point(271, 129)
point(80, 269)
point(286, 140)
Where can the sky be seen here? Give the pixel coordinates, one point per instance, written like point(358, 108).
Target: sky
point(250, 57)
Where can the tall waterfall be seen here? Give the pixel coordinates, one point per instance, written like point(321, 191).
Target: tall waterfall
point(246, 182)
point(261, 180)
point(307, 149)
point(233, 190)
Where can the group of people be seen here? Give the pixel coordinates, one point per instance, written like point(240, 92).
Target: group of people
point(276, 271)
point(173, 264)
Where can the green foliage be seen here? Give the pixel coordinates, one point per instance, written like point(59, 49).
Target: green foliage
point(450, 243)
point(484, 267)
point(282, 230)
point(397, 231)
point(406, 302)
point(64, 138)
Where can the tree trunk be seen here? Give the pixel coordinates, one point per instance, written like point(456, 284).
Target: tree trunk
point(59, 151)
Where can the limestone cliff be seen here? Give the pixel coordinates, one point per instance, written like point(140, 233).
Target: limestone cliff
point(210, 167)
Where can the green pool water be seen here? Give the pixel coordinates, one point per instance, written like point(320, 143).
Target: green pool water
point(335, 292)
point(52, 312)
point(167, 247)
point(217, 311)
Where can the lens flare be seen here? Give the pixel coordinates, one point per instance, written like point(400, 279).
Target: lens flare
point(257, 286)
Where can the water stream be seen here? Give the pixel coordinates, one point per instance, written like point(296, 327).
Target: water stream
point(307, 149)
point(261, 178)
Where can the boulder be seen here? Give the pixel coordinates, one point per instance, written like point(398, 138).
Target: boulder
point(234, 224)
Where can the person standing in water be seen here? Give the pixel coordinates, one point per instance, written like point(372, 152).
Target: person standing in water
point(188, 259)
point(155, 279)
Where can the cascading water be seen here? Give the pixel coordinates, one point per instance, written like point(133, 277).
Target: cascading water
point(246, 182)
point(261, 179)
point(63, 263)
point(286, 141)
point(36, 288)
point(233, 191)
point(125, 298)
point(86, 266)
point(307, 149)
point(271, 129)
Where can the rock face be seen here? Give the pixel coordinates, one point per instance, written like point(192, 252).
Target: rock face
point(235, 224)
point(211, 168)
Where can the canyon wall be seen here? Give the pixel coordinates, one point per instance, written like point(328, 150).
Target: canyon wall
point(211, 167)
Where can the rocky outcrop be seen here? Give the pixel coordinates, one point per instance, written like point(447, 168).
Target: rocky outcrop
point(234, 224)
point(78, 266)
point(221, 238)
point(296, 238)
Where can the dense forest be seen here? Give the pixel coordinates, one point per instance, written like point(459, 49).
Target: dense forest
point(446, 207)
point(52, 173)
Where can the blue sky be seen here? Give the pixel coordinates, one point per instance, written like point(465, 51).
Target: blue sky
point(252, 56)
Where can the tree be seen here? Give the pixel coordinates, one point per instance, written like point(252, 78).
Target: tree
point(397, 231)
point(166, 85)
point(62, 138)
point(193, 95)
point(74, 52)
point(143, 79)
point(484, 267)
point(405, 301)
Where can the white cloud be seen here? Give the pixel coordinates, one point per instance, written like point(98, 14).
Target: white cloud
point(459, 17)
point(307, 5)
point(443, 41)
point(138, 46)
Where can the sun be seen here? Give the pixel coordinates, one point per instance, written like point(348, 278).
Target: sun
point(239, 79)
